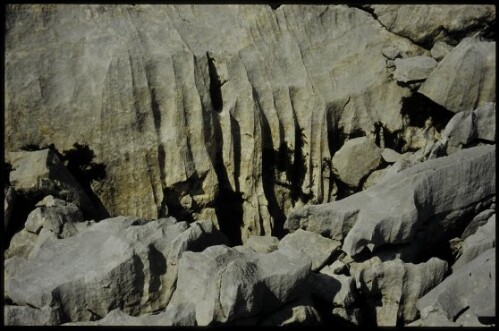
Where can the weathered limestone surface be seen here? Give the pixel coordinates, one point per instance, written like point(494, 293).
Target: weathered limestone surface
point(466, 77)
point(398, 210)
point(179, 108)
point(118, 262)
point(471, 287)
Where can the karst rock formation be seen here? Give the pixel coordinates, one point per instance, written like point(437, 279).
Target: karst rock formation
point(249, 164)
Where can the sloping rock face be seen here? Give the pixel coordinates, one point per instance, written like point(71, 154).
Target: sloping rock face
point(427, 198)
point(185, 113)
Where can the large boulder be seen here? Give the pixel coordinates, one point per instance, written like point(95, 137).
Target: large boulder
point(413, 69)
point(470, 289)
point(316, 247)
point(224, 284)
point(118, 262)
point(41, 173)
point(356, 159)
point(412, 209)
point(465, 78)
point(400, 285)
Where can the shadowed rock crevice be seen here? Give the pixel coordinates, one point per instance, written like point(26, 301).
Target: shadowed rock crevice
point(215, 86)
point(418, 107)
point(79, 161)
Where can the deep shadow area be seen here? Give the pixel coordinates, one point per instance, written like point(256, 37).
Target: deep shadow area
point(215, 86)
point(229, 211)
point(79, 161)
point(419, 108)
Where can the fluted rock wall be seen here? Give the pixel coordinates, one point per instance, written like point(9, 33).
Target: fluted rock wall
point(227, 113)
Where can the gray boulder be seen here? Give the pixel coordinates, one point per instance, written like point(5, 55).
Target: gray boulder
point(400, 285)
point(55, 215)
point(41, 173)
point(390, 156)
point(118, 262)
point(356, 159)
point(317, 248)
point(398, 210)
point(440, 50)
point(225, 285)
point(483, 239)
point(29, 316)
point(262, 244)
point(21, 244)
point(465, 78)
point(471, 287)
point(413, 69)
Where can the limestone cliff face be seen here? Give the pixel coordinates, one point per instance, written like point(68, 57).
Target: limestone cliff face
point(227, 113)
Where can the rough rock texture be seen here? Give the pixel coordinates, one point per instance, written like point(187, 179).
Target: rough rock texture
point(119, 262)
point(356, 159)
point(223, 284)
point(485, 126)
point(471, 287)
point(262, 244)
point(28, 316)
point(424, 24)
point(390, 156)
point(413, 69)
point(477, 221)
point(466, 78)
point(316, 247)
point(21, 244)
point(400, 285)
point(184, 112)
point(483, 239)
point(429, 197)
point(42, 172)
point(468, 127)
point(55, 215)
point(440, 50)
point(169, 317)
